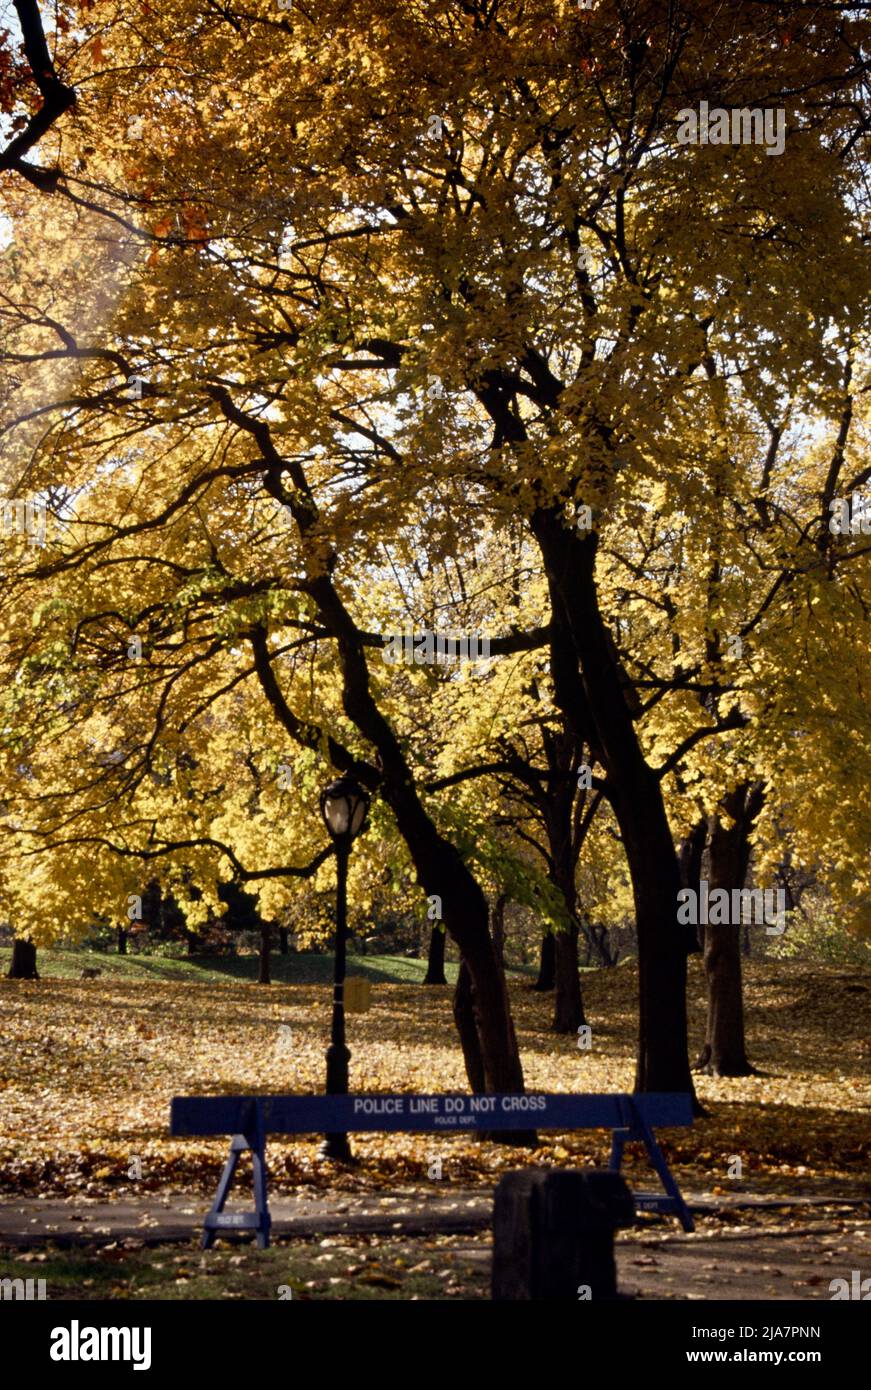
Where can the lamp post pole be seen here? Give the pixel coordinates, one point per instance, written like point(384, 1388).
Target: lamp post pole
point(336, 1146)
point(344, 805)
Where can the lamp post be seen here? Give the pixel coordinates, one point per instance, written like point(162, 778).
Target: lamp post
point(344, 805)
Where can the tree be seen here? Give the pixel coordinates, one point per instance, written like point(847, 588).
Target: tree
point(23, 963)
point(724, 1052)
point(435, 958)
point(532, 249)
point(546, 980)
point(562, 813)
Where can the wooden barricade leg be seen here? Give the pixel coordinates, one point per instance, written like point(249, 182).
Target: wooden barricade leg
point(619, 1138)
point(674, 1201)
point(258, 1161)
point(210, 1227)
point(258, 1221)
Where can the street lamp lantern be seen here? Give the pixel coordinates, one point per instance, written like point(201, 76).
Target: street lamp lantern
point(344, 806)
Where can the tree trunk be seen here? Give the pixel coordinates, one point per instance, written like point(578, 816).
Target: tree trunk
point(435, 965)
point(689, 859)
point(598, 938)
point(724, 1052)
point(690, 855)
point(547, 964)
point(498, 1040)
point(282, 940)
point(23, 966)
point(636, 797)
point(663, 1060)
point(568, 1005)
point(264, 977)
point(467, 1028)
point(441, 869)
point(499, 928)
point(468, 1023)
point(122, 941)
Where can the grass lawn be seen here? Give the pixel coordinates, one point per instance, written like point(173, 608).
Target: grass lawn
point(358, 1267)
point(302, 968)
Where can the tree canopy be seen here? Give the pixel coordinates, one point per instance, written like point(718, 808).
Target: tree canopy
point(323, 324)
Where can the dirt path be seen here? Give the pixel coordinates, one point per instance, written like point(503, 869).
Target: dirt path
point(28, 1221)
point(764, 1249)
point(32, 1221)
point(794, 1259)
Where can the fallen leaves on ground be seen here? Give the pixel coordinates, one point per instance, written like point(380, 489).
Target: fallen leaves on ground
point(88, 1069)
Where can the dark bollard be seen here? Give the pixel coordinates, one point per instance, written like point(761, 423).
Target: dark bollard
point(553, 1233)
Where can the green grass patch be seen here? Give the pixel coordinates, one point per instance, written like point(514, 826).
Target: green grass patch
point(339, 1267)
point(296, 968)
